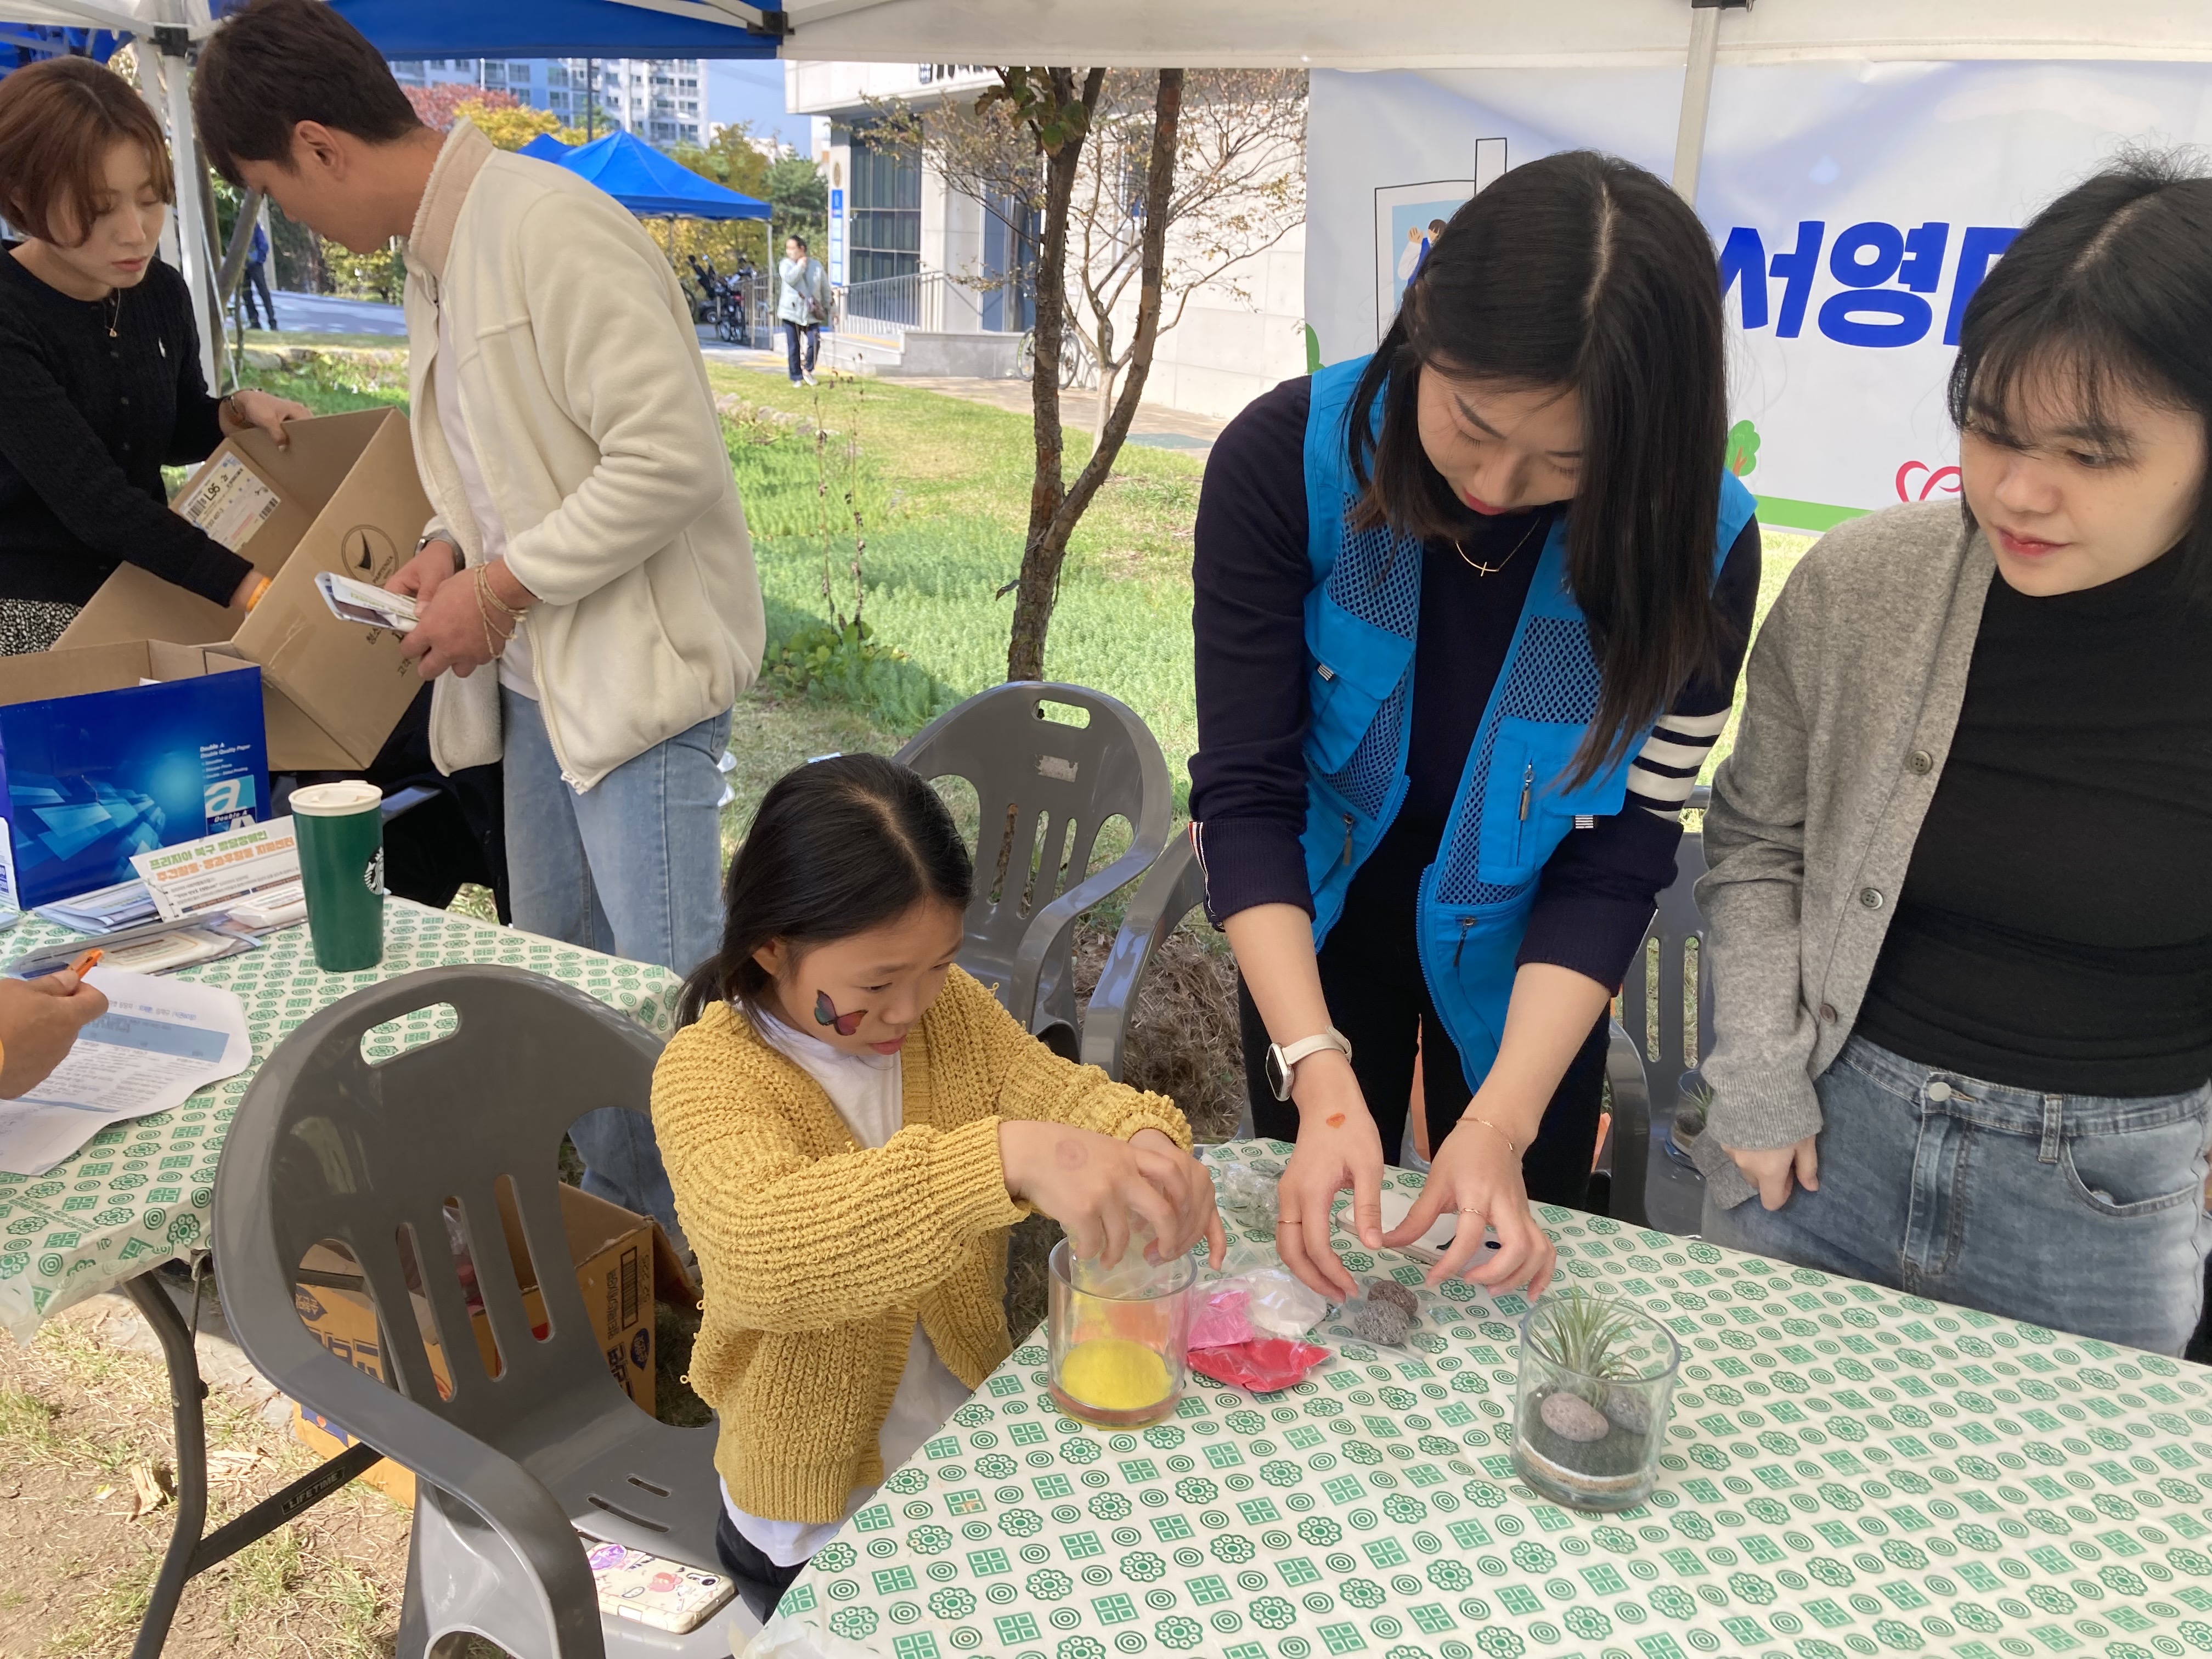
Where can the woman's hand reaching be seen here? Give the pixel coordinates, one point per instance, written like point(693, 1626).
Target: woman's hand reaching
point(1477, 1173)
point(247, 408)
point(1339, 1146)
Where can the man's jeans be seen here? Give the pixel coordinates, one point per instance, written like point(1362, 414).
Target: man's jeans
point(632, 868)
point(2076, 1213)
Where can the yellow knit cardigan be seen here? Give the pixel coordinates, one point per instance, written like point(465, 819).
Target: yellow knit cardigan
point(819, 1254)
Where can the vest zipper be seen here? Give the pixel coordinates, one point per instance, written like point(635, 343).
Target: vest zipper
point(1527, 782)
point(1347, 840)
point(1464, 922)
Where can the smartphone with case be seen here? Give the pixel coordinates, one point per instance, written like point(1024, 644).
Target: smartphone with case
point(666, 1594)
point(357, 602)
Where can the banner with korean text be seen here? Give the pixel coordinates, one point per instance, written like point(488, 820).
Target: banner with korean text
point(1855, 208)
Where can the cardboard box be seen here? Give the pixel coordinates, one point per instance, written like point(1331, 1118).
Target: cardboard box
point(619, 1258)
point(343, 496)
point(101, 764)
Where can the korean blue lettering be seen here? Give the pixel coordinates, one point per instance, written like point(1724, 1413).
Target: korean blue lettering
point(1743, 259)
point(1797, 268)
point(1864, 258)
point(1977, 248)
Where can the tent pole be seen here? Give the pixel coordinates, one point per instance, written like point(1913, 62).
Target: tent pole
point(149, 88)
point(172, 42)
point(1696, 94)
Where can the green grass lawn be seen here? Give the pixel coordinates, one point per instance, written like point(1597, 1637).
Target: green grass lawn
point(941, 486)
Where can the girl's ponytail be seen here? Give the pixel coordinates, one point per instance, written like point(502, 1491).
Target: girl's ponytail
point(838, 847)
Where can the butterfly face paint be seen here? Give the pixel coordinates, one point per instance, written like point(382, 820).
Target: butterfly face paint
point(825, 1013)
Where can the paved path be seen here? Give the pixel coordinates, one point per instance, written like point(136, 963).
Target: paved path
point(325, 313)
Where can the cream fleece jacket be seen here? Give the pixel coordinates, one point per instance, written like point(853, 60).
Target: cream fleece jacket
point(588, 405)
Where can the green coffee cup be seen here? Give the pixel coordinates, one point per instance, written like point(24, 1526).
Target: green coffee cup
point(341, 831)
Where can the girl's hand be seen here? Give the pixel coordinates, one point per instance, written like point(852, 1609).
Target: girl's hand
point(1190, 1189)
point(1339, 1146)
point(1771, 1168)
point(1096, 1186)
point(247, 408)
point(1478, 1173)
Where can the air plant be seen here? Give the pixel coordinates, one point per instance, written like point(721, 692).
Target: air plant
point(1585, 1335)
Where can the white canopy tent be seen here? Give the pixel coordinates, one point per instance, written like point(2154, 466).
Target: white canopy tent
point(1497, 34)
point(1483, 34)
point(1293, 33)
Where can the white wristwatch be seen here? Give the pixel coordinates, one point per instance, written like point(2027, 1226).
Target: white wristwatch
point(1283, 1062)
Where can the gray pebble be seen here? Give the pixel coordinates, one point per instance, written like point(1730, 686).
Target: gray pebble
point(1379, 1322)
point(1629, 1411)
point(1390, 1290)
point(1573, 1418)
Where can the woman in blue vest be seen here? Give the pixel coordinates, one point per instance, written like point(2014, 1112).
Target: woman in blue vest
point(1469, 614)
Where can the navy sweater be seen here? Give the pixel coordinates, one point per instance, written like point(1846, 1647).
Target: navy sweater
point(1249, 778)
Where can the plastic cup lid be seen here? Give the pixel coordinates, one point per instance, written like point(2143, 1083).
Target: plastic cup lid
point(336, 800)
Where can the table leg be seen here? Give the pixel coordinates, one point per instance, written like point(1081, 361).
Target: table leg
point(187, 1391)
point(189, 1553)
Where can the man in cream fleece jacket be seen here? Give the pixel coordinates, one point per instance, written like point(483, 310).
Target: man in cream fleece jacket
point(588, 602)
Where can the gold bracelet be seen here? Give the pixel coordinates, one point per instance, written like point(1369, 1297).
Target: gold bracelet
point(496, 639)
point(1495, 1130)
point(484, 593)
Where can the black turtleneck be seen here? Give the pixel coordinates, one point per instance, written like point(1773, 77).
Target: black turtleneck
point(2055, 929)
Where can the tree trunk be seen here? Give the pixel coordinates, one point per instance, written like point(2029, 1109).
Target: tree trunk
point(1039, 583)
point(1056, 507)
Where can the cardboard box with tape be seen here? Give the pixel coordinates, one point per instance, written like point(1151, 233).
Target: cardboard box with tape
point(619, 1259)
point(341, 497)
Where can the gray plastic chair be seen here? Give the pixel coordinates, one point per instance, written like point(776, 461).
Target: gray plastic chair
point(326, 1146)
point(1042, 791)
point(1649, 1190)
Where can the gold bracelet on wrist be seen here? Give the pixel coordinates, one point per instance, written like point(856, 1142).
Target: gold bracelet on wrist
point(1495, 1130)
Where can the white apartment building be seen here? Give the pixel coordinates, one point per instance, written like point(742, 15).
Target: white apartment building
point(661, 100)
point(899, 235)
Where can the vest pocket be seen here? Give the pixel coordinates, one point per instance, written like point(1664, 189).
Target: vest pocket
point(1526, 808)
point(1342, 710)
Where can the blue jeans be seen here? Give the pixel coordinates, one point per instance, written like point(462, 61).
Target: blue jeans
point(2074, 1212)
point(632, 868)
point(793, 333)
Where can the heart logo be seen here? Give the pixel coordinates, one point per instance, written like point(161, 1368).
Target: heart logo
point(1943, 478)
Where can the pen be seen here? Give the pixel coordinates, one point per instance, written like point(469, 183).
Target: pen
point(89, 959)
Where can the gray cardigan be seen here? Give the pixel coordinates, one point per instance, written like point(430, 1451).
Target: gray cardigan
point(1852, 695)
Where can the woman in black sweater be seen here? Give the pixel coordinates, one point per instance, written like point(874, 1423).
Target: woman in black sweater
point(101, 359)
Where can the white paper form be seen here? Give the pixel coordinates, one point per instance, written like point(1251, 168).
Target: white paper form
point(159, 1040)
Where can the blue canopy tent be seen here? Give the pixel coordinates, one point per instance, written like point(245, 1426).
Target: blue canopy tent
point(569, 28)
point(646, 182)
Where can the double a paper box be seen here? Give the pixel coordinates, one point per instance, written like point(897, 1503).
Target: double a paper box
point(617, 1256)
point(343, 496)
point(115, 749)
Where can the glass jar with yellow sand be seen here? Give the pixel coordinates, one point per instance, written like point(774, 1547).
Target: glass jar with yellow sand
point(1118, 1340)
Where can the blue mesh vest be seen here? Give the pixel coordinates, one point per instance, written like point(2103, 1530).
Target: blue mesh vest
point(1511, 812)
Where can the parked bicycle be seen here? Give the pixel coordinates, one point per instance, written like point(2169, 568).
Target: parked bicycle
point(727, 295)
point(1075, 365)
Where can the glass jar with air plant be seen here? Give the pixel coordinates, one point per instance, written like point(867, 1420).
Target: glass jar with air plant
point(1597, 1382)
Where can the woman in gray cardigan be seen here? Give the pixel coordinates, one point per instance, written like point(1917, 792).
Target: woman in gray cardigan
point(1960, 905)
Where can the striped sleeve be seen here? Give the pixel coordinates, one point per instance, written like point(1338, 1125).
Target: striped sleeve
point(1667, 767)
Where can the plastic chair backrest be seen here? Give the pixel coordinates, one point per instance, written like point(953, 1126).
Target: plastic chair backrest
point(327, 1145)
point(1043, 790)
point(1675, 931)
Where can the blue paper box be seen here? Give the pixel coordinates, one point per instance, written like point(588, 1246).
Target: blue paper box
point(112, 750)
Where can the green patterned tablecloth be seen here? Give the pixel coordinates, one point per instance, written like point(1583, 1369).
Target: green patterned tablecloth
point(138, 1192)
point(1851, 1471)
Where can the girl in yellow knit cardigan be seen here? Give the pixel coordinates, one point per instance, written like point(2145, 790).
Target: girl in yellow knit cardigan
point(851, 1124)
